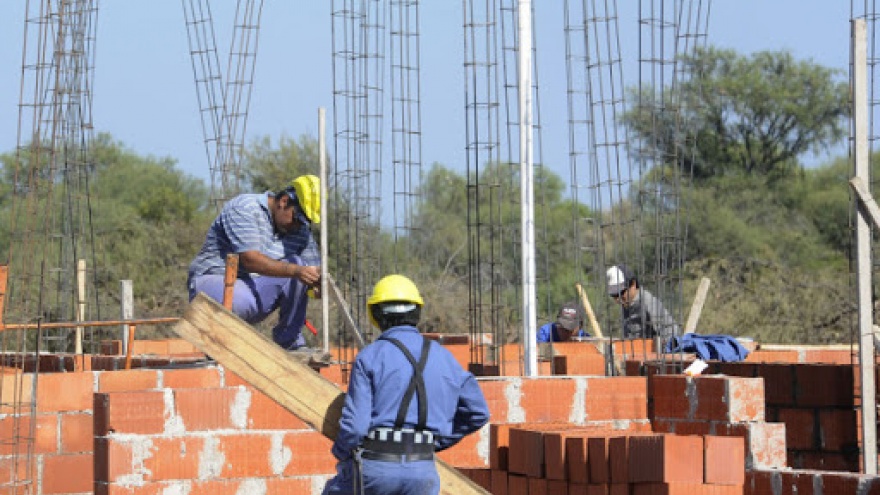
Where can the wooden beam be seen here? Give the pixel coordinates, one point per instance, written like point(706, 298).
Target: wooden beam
point(866, 199)
point(295, 386)
point(229, 278)
point(697, 306)
point(594, 324)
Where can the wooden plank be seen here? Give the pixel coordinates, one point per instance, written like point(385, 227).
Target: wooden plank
point(296, 387)
point(697, 306)
point(594, 324)
point(229, 278)
point(866, 199)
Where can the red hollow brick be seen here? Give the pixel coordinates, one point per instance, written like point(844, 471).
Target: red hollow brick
point(837, 430)
point(824, 385)
point(576, 459)
point(800, 427)
point(616, 398)
point(517, 484)
point(205, 409)
point(499, 482)
point(266, 414)
point(537, 486)
point(77, 433)
point(191, 378)
point(499, 442)
point(665, 459)
point(547, 399)
point(173, 458)
point(129, 412)
point(309, 454)
point(67, 474)
point(65, 392)
point(597, 452)
point(724, 460)
point(671, 399)
point(526, 454)
point(127, 380)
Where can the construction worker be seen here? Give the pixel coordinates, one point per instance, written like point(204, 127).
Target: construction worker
point(569, 323)
point(407, 398)
point(278, 257)
point(644, 316)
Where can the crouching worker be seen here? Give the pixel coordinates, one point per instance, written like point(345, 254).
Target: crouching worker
point(407, 398)
point(278, 257)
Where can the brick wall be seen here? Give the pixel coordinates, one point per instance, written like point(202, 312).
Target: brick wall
point(203, 430)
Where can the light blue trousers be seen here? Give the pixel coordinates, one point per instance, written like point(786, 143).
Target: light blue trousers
point(385, 478)
point(255, 298)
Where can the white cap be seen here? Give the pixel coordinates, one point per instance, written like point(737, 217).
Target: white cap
point(618, 277)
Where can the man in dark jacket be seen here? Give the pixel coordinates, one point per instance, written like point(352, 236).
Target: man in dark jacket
point(644, 316)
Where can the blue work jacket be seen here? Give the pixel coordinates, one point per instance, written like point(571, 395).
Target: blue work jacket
point(549, 333)
point(380, 377)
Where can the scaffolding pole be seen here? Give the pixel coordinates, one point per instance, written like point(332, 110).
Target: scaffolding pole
point(863, 249)
point(527, 187)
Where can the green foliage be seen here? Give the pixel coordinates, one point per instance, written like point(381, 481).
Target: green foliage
point(739, 114)
point(776, 247)
point(269, 167)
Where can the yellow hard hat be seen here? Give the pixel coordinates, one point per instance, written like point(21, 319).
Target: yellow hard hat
point(393, 288)
point(308, 193)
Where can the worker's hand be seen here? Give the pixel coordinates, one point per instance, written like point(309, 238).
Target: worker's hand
point(315, 292)
point(309, 275)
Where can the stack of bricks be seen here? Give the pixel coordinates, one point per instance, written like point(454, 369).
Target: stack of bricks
point(557, 460)
point(597, 403)
point(719, 405)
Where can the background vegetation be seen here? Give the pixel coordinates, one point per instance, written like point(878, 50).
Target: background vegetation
point(773, 236)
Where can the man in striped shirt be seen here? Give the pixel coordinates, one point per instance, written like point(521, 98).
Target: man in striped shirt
point(278, 257)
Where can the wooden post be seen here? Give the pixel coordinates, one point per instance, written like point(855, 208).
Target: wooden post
point(270, 369)
point(229, 278)
point(325, 256)
point(126, 311)
point(864, 265)
point(866, 199)
point(80, 304)
point(594, 324)
point(129, 346)
point(697, 306)
point(4, 275)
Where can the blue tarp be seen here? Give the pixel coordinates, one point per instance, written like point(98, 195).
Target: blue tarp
point(706, 347)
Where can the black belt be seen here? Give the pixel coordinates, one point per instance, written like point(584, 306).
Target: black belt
point(396, 448)
point(384, 456)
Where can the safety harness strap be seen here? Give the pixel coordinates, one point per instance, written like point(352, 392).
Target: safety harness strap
point(416, 384)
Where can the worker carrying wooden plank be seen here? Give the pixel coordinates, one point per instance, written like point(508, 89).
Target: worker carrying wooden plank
point(279, 260)
point(407, 398)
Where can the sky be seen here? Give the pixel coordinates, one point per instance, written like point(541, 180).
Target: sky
point(145, 95)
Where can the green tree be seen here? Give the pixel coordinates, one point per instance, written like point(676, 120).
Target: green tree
point(270, 167)
point(740, 114)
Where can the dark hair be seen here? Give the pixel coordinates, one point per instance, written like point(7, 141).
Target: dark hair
point(386, 317)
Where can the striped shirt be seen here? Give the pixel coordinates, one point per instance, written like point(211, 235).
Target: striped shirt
point(245, 224)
